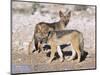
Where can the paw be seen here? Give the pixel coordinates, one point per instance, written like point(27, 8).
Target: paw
point(61, 59)
point(36, 52)
point(33, 51)
point(78, 60)
point(48, 62)
point(69, 59)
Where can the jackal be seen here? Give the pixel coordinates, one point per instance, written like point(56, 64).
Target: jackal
point(42, 29)
point(72, 37)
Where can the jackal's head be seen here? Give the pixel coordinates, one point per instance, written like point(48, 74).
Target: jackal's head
point(41, 32)
point(49, 36)
point(64, 18)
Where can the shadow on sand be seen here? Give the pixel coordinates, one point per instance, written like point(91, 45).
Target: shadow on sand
point(66, 53)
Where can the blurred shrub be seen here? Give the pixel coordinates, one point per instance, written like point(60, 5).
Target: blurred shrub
point(35, 7)
point(80, 7)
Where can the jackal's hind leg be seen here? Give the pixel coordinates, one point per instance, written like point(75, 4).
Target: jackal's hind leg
point(73, 54)
point(79, 55)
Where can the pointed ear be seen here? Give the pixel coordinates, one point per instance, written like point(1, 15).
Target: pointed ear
point(39, 27)
point(69, 14)
point(61, 14)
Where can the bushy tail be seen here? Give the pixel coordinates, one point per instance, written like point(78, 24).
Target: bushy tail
point(81, 44)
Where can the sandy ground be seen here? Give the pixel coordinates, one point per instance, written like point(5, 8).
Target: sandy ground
point(38, 63)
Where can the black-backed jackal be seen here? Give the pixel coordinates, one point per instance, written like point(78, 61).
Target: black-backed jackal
point(72, 37)
point(42, 29)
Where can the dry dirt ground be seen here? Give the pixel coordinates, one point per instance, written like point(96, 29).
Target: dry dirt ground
point(37, 63)
point(24, 20)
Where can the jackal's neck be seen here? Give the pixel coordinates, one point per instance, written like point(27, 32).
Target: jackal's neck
point(62, 24)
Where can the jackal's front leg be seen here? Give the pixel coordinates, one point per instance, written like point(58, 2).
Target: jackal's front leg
point(37, 46)
point(60, 53)
point(53, 51)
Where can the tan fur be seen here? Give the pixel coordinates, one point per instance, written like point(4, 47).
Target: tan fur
point(42, 29)
point(75, 38)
